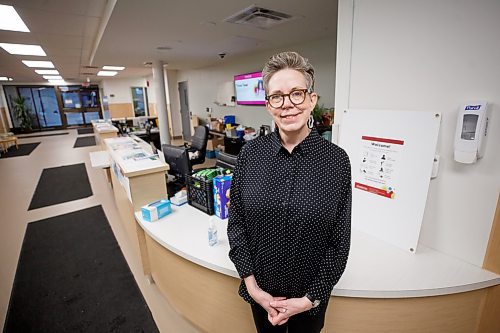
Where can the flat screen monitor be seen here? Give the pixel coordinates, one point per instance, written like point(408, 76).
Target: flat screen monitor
point(177, 159)
point(249, 89)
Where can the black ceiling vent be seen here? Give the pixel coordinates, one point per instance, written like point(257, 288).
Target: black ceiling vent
point(259, 17)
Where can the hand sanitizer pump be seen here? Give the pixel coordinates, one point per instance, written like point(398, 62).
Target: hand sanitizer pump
point(472, 128)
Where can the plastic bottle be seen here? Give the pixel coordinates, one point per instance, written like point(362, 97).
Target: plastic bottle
point(212, 231)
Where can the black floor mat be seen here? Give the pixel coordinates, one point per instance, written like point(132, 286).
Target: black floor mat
point(89, 130)
point(72, 277)
point(85, 141)
point(61, 184)
point(24, 150)
point(40, 135)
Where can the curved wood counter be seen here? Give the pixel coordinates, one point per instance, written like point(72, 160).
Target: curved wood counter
point(382, 290)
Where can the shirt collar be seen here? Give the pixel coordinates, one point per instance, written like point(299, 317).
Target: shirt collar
point(307, 145)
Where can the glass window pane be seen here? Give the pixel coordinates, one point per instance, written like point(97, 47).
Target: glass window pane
point(71, 100)
point(89, 116)
point(11, 95)
point(28, 101)
point(50, 110)
point(139, 101)
point(74, 118)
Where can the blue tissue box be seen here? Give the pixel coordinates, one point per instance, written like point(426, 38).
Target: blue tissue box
point(156, 210)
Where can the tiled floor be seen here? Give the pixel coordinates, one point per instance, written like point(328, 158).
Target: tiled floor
point(18, 180)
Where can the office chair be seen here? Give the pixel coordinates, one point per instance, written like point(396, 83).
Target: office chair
point(198, 144)
point(225, 160)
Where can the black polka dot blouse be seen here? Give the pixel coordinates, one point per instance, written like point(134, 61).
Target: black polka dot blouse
point(290, 216)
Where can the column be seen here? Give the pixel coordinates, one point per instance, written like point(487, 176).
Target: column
point(161, 100)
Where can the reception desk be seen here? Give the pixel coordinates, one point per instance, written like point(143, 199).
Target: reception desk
point(383, 288)
point(136, 181)
point(103, 130)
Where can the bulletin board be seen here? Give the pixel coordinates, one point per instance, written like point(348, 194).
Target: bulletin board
point(391, 154)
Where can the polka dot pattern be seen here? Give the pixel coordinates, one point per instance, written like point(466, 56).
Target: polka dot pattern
point(290, 216)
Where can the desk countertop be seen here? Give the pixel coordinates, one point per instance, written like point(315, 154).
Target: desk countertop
point(122, 150)
point(375, 269)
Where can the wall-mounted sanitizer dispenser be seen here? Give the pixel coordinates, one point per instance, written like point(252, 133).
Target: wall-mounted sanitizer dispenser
point(472, 128)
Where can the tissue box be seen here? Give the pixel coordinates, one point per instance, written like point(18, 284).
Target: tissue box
point(222, 185)
point(156, 210)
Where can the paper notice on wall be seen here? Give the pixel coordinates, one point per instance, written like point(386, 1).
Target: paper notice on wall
point(378, 166)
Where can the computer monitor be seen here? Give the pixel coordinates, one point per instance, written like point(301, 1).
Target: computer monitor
point(177, 159)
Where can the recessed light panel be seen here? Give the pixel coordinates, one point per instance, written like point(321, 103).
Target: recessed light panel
point(106, 73)
point(47, 71)
point(5, 78)
point(52, 77)
point(38, 64)
point(58, 82)
point(23, 49)
point(113, 68)
point(10, 20)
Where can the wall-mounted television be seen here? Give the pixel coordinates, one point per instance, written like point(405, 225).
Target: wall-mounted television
point(249, 89)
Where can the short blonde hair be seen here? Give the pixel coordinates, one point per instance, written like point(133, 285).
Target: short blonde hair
point(291, 60)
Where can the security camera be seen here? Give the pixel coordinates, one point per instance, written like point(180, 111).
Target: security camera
point(222, 55)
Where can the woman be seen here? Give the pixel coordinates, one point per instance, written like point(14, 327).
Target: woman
point(289, 221)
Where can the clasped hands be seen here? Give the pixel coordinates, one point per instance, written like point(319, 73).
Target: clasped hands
point(279, 309)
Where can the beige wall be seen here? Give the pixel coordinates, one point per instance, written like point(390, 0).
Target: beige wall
point(121, 110)
point(152, 109)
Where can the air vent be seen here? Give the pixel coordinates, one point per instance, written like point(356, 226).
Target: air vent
point(259, 17)
point(90, 67)
point(87, 73)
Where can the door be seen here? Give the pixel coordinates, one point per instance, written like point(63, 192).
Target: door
point(185, 116)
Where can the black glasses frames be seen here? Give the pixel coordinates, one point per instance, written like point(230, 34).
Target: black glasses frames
point(296, 97)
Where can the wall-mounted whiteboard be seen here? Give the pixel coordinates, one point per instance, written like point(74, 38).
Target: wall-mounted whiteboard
point(392, 154)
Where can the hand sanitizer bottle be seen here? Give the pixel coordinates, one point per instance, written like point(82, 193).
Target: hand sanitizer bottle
point(212, 231)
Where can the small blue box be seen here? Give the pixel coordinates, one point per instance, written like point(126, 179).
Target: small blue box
point(210, 154)
point(156, 210)
point(222, 185)
point(229, 119)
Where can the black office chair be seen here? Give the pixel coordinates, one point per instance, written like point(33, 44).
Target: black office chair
point(198, 144)
point(225, 160)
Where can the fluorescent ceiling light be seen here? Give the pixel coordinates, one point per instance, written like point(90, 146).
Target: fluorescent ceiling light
point(106, 73)
point(113, 68)
point(52, 77)
point(58, 82)
point(23, 49)
point(47, 71)
point(10, 20)
point(38, 64)
point(5, 78)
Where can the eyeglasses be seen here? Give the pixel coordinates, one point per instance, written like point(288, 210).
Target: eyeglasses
point(297, 97)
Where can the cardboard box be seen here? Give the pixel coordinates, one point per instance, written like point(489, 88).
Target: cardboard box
point(156, 210)
point(217, 126)
point(213, 143)
point(222, 184)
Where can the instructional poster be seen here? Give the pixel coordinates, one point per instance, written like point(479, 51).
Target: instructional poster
point(378, 166)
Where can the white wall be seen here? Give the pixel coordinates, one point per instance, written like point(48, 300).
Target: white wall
point(121, 89)
point(431, 55)
point(203, 83)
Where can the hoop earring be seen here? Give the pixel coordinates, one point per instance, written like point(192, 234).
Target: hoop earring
point(310, 122)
